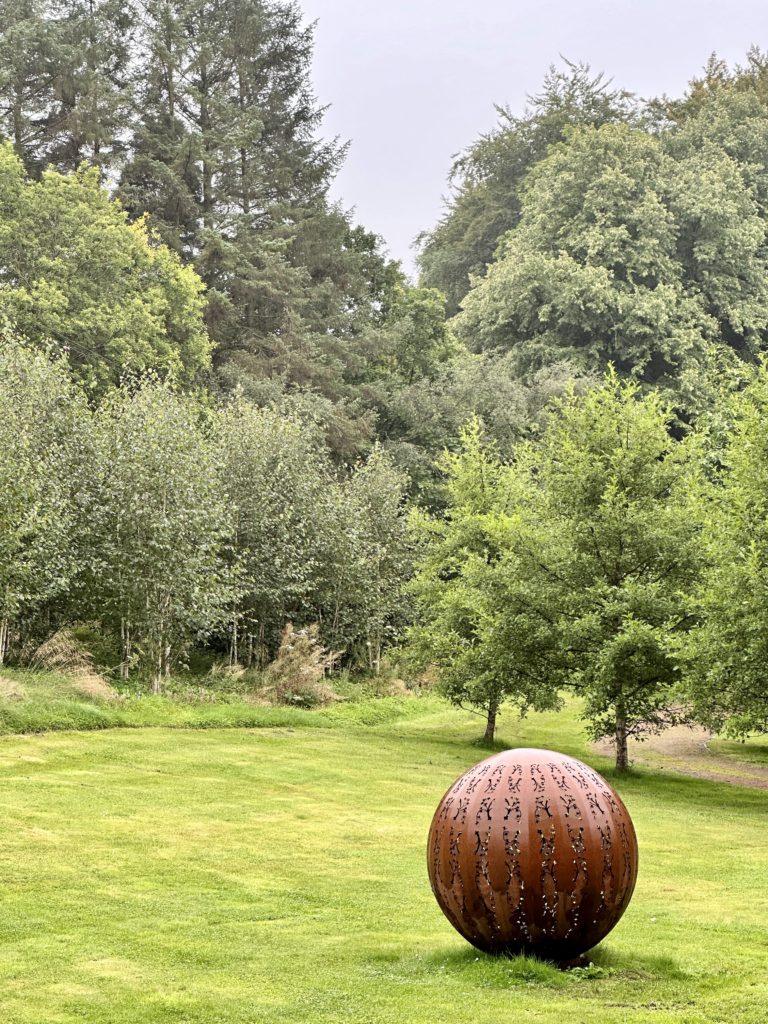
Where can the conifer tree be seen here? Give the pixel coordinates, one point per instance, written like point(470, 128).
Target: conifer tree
point(26, 77)
point(89, 54)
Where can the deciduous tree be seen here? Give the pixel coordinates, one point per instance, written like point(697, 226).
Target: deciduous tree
point(162, 528)
point(74, 272)
point(615, 554)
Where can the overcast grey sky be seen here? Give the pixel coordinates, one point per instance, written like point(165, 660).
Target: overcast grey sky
point(411, 82)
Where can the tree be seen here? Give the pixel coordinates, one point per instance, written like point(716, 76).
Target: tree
point(591, 273)
point(718, 81)
point(74, 272)
point(89, 76)
point(160, 577)
point(486, 179)
point(615, 553)
point(26, 78)
point(418, 419)
point(227, 163)
point(381, 562)
point(418, 342)
point(724, 657)
point(277, 478)
point(224, 154)
point(485, 650)
point(42, 422)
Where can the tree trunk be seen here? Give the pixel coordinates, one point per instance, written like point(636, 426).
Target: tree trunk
point(125, 637)
point(234, 654)
point(622, 754)
point(157, 675)
point(260, 652)
point(207, 162)
point(3, 639)
point(490, 725)
point(18, 122)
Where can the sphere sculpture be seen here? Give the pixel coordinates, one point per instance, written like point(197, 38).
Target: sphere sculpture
point(532, 851)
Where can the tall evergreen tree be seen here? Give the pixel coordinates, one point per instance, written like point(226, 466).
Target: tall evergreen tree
point(26, 77)
point(89, 62)
point(225, 150)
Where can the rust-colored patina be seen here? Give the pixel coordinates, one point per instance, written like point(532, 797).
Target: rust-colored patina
point(532, 851)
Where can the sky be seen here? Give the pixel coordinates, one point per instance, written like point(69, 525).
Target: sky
point(410, 83)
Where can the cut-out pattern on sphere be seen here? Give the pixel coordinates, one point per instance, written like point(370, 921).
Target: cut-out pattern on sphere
point(532, 851)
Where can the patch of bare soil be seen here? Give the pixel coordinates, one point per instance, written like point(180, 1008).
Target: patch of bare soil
point(686, 749)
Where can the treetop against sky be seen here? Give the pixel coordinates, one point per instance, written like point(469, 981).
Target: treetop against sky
point(412, 82)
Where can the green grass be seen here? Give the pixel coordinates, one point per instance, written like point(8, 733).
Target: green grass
point(754, 749)
point(278, 874)
point(50, 702)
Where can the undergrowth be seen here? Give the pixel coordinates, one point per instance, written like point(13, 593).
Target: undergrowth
point(35, 701)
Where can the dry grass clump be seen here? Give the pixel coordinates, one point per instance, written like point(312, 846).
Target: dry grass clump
point(297, 676)
point(94, 686)
point(223, 670)
point(11, 690)
point(63, 652)
point(396, 688)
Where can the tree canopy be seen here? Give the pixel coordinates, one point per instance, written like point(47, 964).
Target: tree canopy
point(75, 272)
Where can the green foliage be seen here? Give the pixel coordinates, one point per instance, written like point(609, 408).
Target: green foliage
point(26, 77)
point(717, 82)
point(614, 552)
point(487, 177)
point(422, 418)
point(573, 567)
point(225, 160)
point(278, 483)
point(365, 562)
point(160, 528)
point(592, 271)
point(482, 646)
point(646, 250)
point(75, 273)
point(374, 579)
point(91, 76)
point(65, 80)
point(421, 341)
point(725, 655)
point(42, 420)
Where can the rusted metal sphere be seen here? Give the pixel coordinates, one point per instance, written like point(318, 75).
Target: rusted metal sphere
point(532, 851)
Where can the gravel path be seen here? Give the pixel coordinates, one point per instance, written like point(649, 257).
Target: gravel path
point(687, 750)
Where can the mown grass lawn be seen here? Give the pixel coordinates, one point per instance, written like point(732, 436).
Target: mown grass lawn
point(235, 876)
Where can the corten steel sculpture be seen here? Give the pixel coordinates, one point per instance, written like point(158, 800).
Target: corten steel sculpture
point(532, 851)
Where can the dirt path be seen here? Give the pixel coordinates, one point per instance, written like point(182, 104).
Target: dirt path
point(687, 750)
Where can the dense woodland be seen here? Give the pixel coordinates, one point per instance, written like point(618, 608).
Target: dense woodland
point(228, 419)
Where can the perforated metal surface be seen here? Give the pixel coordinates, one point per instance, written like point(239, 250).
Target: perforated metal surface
point(532, 851)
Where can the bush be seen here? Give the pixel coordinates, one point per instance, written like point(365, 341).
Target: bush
point(297, 675)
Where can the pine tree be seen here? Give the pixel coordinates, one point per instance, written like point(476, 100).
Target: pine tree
point(225, 157)
point(90, 99)
point(26, 83)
